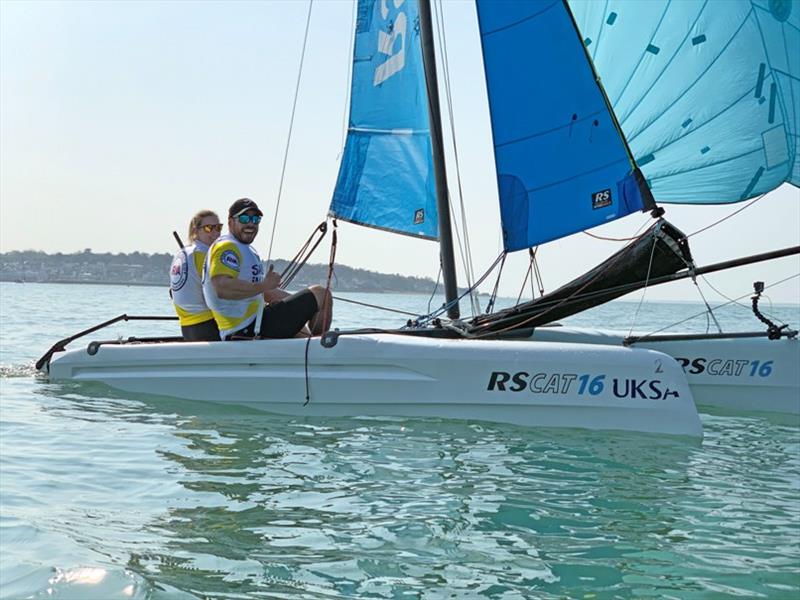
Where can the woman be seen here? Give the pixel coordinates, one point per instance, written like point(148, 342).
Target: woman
point(186, 277)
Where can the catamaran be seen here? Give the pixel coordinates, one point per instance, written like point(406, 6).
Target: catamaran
point(707, 101)
point(564, 164)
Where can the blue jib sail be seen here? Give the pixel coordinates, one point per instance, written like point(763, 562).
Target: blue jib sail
point(562, 165)
point(386, 175)
point(707, 92)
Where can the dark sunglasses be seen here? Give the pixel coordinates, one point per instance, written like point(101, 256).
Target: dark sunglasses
point(209, 228)
point(245, 219)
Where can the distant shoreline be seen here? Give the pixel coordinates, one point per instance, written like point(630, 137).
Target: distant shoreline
point(166, 286)
point(140, 269)
point(73, 282)
point(793, 305)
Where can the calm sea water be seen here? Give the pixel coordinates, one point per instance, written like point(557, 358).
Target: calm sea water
point(106, 495)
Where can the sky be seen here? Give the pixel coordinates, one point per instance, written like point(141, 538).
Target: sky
point(119, 120)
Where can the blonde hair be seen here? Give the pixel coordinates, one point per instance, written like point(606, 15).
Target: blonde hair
point(196, 220)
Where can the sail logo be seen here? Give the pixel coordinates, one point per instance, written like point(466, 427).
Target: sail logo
point(601, 199)
point(388, 44)
point(419, 216)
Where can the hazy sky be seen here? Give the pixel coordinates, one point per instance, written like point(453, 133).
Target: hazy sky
point(119, 119)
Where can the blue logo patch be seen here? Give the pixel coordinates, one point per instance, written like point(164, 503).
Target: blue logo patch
point(601, 199)
point(230, 260)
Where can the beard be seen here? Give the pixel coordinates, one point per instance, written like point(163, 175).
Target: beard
point(246, 237)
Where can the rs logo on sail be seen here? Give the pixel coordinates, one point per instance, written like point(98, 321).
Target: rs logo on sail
point(388, 42)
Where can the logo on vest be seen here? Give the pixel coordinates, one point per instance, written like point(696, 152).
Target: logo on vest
point(179, 272)
point(230, 260)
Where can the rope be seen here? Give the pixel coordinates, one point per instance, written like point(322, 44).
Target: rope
point(748, 205)
point(291, 126)
point(560, 302)
point(493, 297)
point(465, 250)
point(533, 271)
point(732, 301)
point(539, 280)
point(525, 281)
point(423, 319)
point(709, 312)
point(435, 287)
point(708, 283)
point(646, 282)
point(375, 306)
point(323, 308)
point(609, 239)
point(298, 262)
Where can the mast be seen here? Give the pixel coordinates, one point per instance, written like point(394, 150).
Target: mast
point(439, 170)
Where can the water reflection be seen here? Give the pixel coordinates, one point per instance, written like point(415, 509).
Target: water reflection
point(260, 504)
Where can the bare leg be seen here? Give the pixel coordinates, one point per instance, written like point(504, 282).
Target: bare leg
point(321, 321)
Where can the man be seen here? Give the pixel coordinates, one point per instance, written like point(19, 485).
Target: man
point(235, 286)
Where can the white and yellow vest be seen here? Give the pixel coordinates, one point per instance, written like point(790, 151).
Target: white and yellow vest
point(229, 256)
point(186, 282)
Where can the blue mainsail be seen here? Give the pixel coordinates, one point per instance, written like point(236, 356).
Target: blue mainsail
point(562, 165)
point(707, 92)
point(386, 175)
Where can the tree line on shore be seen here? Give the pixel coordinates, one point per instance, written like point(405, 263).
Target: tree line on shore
point(141, 268)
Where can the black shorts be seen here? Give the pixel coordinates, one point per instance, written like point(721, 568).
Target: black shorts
point(284, 319)
point(207, 331)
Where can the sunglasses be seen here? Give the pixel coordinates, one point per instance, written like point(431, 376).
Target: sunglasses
point(245, 219)
point(209, 228)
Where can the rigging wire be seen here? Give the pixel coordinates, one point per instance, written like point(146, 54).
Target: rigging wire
point(732, 301)
point(423, 319)
point(646, 283)
point(539, 280)
point(748, 205)
point(533, 273)
point(746, 306)
point(710, 314)
point(435, 287)
point(576, 294)
point(493, 297)
point(375, 306)
point(466, 254)
point(291, 126)
point(524, 283)
point(299, 260)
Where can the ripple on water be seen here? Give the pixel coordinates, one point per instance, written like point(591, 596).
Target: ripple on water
point(105, 494)
point(19, 370)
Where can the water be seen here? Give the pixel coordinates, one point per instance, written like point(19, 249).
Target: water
point(107, 495)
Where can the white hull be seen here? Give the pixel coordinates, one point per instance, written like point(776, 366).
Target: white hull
point(532, 384)
point(754, 374)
